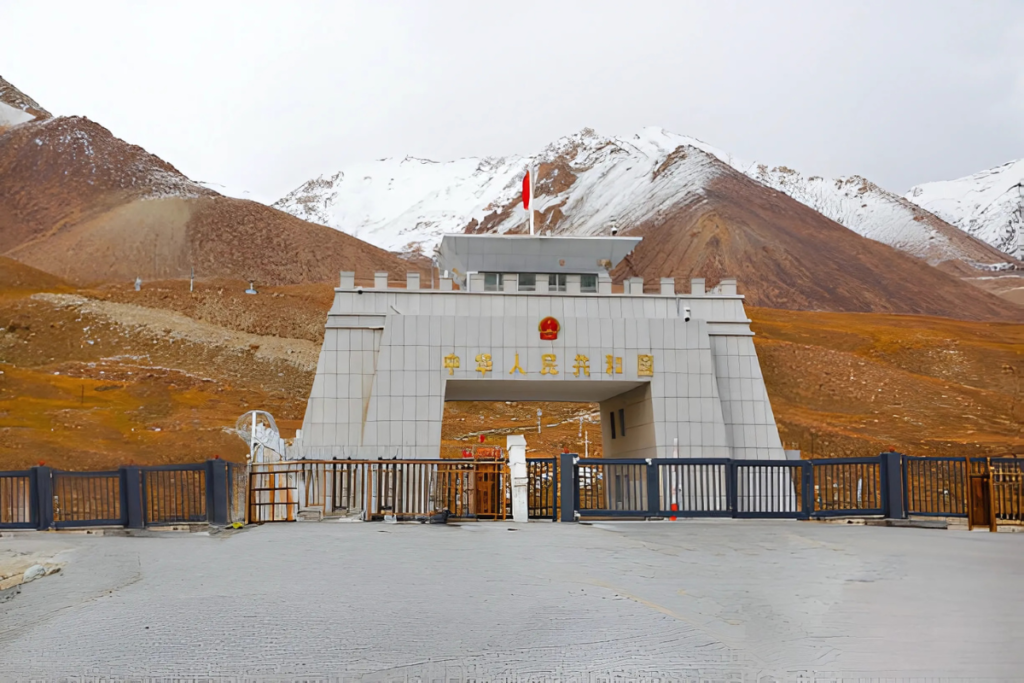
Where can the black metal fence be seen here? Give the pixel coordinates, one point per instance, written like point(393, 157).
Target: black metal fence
point(694, 488)
point(772, 489)
point(174, 494)
point(87, 499)
point(133, 497)
point(542, 488)
point(849, 486)
point(566, 488)
point(890, 484)
point(935, 486)
point(16, 500)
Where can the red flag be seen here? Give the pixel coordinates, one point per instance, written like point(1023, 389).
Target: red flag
point(526, 191)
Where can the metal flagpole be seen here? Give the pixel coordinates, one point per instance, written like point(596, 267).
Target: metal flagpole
point(531, 204)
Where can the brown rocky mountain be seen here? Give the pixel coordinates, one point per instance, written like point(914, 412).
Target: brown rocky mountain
point(86, 206)
point(786, 255)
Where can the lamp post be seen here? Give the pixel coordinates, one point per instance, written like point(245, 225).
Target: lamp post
point(539, 413)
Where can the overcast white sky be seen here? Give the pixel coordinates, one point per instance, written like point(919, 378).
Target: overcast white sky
point(265, 95)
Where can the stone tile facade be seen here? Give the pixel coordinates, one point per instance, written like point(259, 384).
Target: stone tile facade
point(682, 369)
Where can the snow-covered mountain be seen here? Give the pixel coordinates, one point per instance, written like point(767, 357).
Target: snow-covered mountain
point(878, 214)
point(585, 181)
point(400, 204)
point(988, 205)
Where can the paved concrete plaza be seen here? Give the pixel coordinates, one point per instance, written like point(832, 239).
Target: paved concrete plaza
point(689, 600)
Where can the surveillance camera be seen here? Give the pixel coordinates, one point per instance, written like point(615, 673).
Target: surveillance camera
point(686, 314)
point(615, 231)
point(359, 290)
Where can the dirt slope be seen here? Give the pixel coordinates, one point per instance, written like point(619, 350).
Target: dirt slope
point(82, 204)
point(17, 276)
point(847, 384)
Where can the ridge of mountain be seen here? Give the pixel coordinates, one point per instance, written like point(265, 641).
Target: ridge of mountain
point(409, 203)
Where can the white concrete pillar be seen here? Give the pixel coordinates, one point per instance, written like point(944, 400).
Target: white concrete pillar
point(446, 284)
point(572, 284)
point(380, 280)
point(412, 280)
point(668, 286)
point(516, 445)
point(636, 285)
point(510, 282)
point(728, 286)
point(604, 283)
point(348, 280)
point(697, 286)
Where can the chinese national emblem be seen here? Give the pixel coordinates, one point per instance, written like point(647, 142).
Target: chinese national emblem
point(549, 329)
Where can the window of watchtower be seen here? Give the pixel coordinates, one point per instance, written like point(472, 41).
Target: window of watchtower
point(556, 282)
point(493, 282)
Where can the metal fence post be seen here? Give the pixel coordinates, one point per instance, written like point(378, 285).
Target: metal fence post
point(554, 493)
point(131, 497)
point(732, 497)
point(42, 492)
point(217, 492)
point(807, 488)
point(653, 490)
point(570, 490)
point(892, 485)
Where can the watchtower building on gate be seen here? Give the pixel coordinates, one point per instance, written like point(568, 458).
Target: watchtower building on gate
point(536, 319)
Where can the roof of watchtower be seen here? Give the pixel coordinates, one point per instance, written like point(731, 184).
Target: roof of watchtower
point(461, 254)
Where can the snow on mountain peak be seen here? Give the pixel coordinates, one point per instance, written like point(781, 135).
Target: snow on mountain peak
point(403, 204)
point(988, 204)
